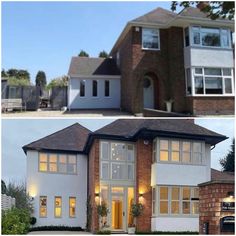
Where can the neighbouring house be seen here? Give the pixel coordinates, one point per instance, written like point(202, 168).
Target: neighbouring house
point(159, 163)
point(185, 58)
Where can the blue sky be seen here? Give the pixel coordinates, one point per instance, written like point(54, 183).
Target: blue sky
point(19, 132)
point(45, 35)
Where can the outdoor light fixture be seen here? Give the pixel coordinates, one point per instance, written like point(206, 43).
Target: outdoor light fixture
point(146, 142)
point(230, 194)
point(141, 195)
point(137, 29)
point(97, 194)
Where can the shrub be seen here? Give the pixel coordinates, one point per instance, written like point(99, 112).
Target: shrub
point(33, 220)
point(56, 228)
point(103, 232)
point(15, 221)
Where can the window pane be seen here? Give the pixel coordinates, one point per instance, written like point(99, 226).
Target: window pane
point(186, 157)
point(212, 71)
point(196, 192)
point(175, 145)
point(119, 171)
point(210, 37)
point(150, 38)
point(163, 207)
point(225, 38)
point(71, 168)
point(195, 207)
point(226, 71)
point(164, 144)
point(62, 159)
point(58, 201)
point(72, 205)
point(130, 153)
point(196, 35)
point(52, 158)
point(175, 207)
point(164, 155)
point(175, 193)
point(105, 170)
point(186, 207)
point(186, 32)
point(197, 147)
point(43, 157)
point(228, 85)
point(62, 164)
point(43, 166)
point(43, 207)
point(186, 146)
point(164, 193)
point(189, 81)
point(175, 156)
point(53, 167)
point(131, 172)
point(130, 202)
point(198, 84)
point(198, 71)
point(105, 153)
point(186, 193)
point(43, 212)
point(72, 159)
point(118, 152)
point(197, 158)
point(43, 201)
point(104, 194)
point(117, 190)
point(95, 89)
point(82, 88)
point(107, 88)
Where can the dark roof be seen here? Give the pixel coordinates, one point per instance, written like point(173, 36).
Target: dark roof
point(157, 16)
point(86, 66)
point(130, 128)
point(217, 175)
point(70, 139)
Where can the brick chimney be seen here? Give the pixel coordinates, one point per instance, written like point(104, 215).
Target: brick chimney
point(202, 5)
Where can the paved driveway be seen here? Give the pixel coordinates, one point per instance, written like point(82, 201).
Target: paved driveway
point(58, 232)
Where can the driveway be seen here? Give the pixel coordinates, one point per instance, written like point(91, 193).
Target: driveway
point(57, 232)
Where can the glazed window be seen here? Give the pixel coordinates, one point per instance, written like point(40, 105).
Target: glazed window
point(164, 150)
point(188, 82)
point(195, 201)
point(57, 207)
point(72, 206)
point(150, 38)
point(186, 200)
point(186, 31)
point(62, 164)
point(82, 88)
point(163, 200)
point(71, 167)
point(95, 88)
point(43, 162)
point(175, 151)
point(175, 198)
point(53, 163)
point(154, 201)
point(107, 88)
point(197, 153)
point(186, 156)
point(43, 206)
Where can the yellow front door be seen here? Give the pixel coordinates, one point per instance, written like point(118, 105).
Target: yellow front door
point(117, 212)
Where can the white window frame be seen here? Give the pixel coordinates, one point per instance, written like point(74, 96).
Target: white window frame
point(80, 82)
point(46, 207)
point(59, 197)
point(72, 207)
point(158, 35)
point(94, 80)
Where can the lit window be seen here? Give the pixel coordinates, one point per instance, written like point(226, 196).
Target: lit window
point(153, 200)
point(107, 88)
point(130, 202)
point(58, 204)
point(154, 152)
point(175, 200)
point(95, 88)
point(150, 38)
point(163, 200)
point(119, 171)
point(72, 205)
point(195, 201)
point(118, 152)
point(186, 152)
point(43, 162)
point(82, 88)
point(53, 163)
point(62, 164)
point(186, 200)
point(175, 151)
point(71, 168)
point(164, 150)
point(43, 206)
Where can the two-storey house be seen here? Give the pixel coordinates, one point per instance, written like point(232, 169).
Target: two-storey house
point(186, 58)
point(158, 163)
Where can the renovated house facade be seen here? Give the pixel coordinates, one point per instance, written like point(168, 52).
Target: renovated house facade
point(158, 163)
point(185, 58)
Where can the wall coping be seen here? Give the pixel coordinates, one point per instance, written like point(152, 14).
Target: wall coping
point(216, 182)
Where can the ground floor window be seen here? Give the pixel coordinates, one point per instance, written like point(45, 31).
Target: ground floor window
point(209, 81)
point(58, 204)
point(72, 205)
point(175, 200)
point(43, 206)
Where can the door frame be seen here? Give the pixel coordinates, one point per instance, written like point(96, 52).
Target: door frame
point(153, 91)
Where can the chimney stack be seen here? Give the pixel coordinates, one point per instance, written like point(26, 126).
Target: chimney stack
point(202, 5)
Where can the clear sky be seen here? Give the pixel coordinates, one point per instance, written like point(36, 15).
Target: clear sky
point(19, 132)
point(45, 35)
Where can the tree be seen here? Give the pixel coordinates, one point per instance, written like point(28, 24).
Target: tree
point(17, 74)
point(41, 80)
point(12, 72)
point(227, 162)
point(4, 73)
point(214, 9)
point(23, 74)
point(83, 54)
point(3, 187)
point(58, 82)
point(18, 82)
point(103, 54)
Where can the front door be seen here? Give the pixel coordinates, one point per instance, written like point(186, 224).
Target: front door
point(148, 93)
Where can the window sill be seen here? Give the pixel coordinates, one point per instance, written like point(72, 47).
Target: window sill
point(151, 49)
point(178, 163)
point(176, 216)
point(211, 95)
point(209, 47)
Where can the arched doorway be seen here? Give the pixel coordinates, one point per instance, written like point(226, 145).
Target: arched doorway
point(148, 92)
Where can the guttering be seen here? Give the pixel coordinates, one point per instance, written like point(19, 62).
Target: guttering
point(72, 76)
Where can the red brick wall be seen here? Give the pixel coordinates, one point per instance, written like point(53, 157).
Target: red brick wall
point(210, 198)
point(93, 182)
point(143, 184)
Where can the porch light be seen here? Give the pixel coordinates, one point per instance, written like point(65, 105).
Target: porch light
point(141, 195)
point(97, 194)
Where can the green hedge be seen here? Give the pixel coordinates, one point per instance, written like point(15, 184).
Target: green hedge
point(15, 221)
point(103, 232)
point(56, 228)
point(169, 232)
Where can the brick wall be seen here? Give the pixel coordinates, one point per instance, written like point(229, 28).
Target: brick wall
point(210, 198)
point(143, 184)
point(93, 182)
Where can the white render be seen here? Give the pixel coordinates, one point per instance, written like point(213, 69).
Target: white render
point(208, 57)
point(90, 102)
point(175, 224)
point(64, 185)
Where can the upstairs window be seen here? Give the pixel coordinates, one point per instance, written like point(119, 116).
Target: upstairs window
point(150, 38)
point(107, 88)
point(95, 88)
point(82, 88)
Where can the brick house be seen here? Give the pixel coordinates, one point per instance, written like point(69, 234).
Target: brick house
point(185, 58)
point(158, 163)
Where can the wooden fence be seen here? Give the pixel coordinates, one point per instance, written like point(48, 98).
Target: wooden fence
point(7, 202)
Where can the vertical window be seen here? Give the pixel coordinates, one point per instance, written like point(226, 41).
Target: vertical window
point(62, 165)
point(228, 85)
point(43, 162)
point(198, 80)
point(72, 205)
point(210, 37)
point(175, 200)
point(82, 88)
point(105, 152)
point(197, 153)
point(95, 88)
point(175, 151)
point(186, 200)
point(107, 88)
point(196, 35)
point(130, 152)
point(52, 162)
point(225, 38)
point(163, 200)
point(130, 202)
point(43, 206)
point(188, 81)
point(57, 210)
point(130, 171)
point(150, 38)
point(71, 164)
point(186, 32)
point(186, 154)
point(154, 152)
point(153, 200)
point(119, 171)
point(164, 150)
point(195, 201)
point(105, 170)
point(118, 152)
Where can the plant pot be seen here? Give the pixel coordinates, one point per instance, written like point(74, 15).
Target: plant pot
point(131, 230)
point(169, 106)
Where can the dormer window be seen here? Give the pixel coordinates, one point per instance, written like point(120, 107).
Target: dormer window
point(150, 39)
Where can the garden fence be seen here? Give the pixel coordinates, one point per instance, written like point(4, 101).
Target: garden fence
point(7, 202)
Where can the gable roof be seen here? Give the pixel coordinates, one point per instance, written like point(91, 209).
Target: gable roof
point(86, 66)
point(69, 139)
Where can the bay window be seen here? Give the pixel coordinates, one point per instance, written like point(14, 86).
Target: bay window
point(150, 38)
point(209, 81)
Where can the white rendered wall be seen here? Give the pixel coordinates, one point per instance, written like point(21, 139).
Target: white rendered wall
point(208, 57)
point(90, 102)
point(64, 185)
point(175, 224)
